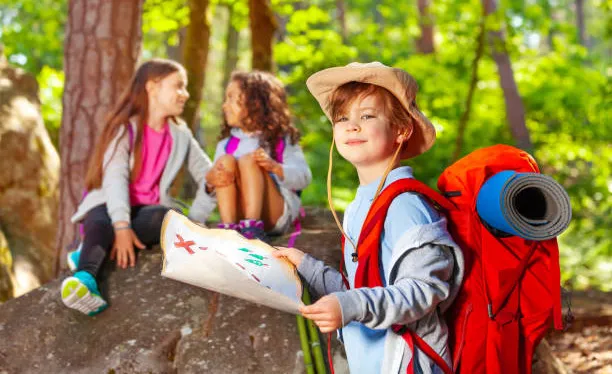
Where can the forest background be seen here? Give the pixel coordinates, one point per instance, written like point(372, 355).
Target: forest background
point(533, 73)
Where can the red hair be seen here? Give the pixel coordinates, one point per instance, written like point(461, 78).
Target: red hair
point(344, 95)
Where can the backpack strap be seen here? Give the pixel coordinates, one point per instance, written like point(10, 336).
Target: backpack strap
point(279, 150)
point(368, 245)
point(232, 145)
point(130, 135)
point(233, 142)
point(368, 253)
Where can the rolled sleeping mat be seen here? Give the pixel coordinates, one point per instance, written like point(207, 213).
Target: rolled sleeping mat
point(529, 205)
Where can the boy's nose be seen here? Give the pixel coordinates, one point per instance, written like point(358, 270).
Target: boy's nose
point(353, 126)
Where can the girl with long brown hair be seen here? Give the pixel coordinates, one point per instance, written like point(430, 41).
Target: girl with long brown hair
point(138, 155)
point(259, 166)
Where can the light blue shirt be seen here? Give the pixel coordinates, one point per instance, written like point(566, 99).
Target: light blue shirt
point(364, 346)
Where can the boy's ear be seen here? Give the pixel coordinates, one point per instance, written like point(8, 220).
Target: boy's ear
point(404, 135)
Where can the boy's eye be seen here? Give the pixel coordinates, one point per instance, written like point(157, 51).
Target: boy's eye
point(342, 119)
point(367, 116)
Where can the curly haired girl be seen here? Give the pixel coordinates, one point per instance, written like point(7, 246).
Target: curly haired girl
point(259, 167)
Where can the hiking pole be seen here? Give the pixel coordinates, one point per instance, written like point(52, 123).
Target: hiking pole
point(304, 341)
point(315, 342)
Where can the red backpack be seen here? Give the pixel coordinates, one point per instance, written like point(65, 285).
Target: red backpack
point(511, 289)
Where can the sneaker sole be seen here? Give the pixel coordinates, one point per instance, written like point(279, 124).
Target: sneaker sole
point(75, 295)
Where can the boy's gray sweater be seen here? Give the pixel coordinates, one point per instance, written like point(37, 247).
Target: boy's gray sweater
point(424, 259)
point(118, 162)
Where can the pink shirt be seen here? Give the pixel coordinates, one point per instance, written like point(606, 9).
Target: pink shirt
point(156, 147)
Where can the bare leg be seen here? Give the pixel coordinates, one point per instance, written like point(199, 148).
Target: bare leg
point(261, 198)
point(227, 197)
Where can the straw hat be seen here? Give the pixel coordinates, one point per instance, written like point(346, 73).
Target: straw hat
point(401, 84)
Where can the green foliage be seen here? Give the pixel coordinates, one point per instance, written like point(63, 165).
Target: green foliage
point(51, 84)
point(32, 32)
point(162, 21)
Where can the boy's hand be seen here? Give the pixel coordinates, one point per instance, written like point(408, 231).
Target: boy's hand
point(123, 248)
point(325, 313)
point(219, 177)
point(293, 255)
point(266, 162)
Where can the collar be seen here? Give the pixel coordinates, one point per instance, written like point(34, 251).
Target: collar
point(368, 191)
point(240, 134)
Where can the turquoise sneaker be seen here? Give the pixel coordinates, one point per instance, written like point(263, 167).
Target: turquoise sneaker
point(80, 292)
point(73, 258)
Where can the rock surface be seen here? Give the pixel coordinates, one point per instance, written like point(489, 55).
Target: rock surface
point(157, 325)
point(29, 181)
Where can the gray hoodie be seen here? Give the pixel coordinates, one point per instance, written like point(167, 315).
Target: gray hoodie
point(423, 252)
point(119, 160)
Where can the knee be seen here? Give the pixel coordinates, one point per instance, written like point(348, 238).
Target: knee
point(98, 227)
point(228, 162)
point(247, 160)
point(157, 216)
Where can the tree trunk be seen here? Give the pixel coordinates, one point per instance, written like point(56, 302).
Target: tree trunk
point(468, 104)
point(263, 25)
point(580, 22)
point(425, 44)
point(379, 21)
point(515, 111)
point(195, 55)
point(175, 52)
point(102, 45)
point(341, 18)
point(231, 48)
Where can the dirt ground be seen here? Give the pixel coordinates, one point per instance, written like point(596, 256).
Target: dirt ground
point(586, 347)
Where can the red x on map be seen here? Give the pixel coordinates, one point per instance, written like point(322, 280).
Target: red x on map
point(184, 244)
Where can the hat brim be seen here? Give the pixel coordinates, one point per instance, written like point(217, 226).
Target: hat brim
point(323, 83)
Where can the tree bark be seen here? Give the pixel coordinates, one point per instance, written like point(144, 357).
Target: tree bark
point(195, 56)
point(175, 52)
point(425, 44)
point(515, 111)
point(263, 25)
point(580, 22)
point(465, 116)
point(102, 45)
point(231, 48)
point(341, 18)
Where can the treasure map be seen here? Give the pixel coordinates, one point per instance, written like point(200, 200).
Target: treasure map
point(226, 262)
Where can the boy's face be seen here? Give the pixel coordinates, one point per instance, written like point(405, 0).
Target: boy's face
point(233, 107)
point(169, 94)
point(364, 136)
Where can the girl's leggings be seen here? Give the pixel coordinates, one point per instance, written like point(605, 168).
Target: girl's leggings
point(146, 221)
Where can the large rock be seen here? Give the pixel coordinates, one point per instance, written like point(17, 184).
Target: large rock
point(157, 325)
point(29, 177)
point(6, 270)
